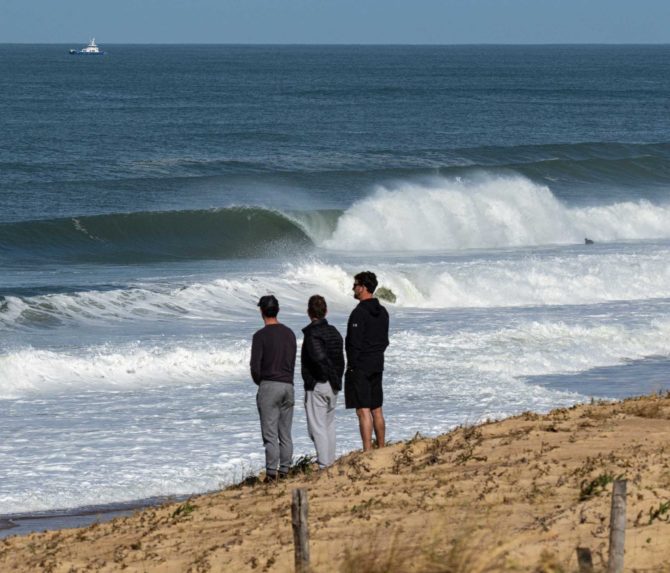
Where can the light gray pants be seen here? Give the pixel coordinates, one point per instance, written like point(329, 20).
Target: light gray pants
point(320, 409)
point(275, 402)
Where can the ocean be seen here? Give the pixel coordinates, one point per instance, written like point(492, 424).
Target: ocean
point(150, 196)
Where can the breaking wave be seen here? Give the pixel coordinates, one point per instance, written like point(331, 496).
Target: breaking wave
point(487, 212)
point(484, 282)
point(484, 211)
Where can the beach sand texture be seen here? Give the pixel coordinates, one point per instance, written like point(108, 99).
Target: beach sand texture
point(515, 495)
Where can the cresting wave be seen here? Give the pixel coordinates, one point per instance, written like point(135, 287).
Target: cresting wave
point(221, 298)
point(486, 212)
point(444, 214)
point(232, 232)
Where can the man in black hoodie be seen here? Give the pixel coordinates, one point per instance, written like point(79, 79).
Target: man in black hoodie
point(366, 341)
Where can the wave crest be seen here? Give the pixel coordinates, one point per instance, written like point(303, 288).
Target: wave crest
point(232, 232)
point(487, 212)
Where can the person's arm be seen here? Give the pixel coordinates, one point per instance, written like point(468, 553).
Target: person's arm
point(256, 358)
point(338, 356)
point(355, 338)
point(335, 352)
point(386, 343)
point(304, 358)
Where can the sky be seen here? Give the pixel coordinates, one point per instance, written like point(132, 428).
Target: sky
point(336, 21)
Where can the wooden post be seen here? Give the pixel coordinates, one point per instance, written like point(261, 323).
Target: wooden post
point(584, 560)
point(300, 530)
point(617, 527)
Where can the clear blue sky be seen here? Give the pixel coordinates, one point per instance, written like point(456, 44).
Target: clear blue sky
point(335, 21)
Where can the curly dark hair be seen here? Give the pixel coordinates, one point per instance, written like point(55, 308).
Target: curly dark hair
point(368, 279)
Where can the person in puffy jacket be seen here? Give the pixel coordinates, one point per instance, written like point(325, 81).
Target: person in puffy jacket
point(366, 341)
point(322, 359)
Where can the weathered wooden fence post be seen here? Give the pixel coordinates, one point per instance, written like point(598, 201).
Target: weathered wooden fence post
point(300, 530)
point(617, 527)
point(584, 560)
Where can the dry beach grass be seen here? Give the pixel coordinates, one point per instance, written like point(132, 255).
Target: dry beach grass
point(516, 495)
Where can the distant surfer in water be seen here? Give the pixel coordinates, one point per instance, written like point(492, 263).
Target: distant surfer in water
point(273, 352)
point(366, 341)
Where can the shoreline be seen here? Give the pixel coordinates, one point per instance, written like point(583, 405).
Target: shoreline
point(27, 523)
point(76, 517)
point(517, 494)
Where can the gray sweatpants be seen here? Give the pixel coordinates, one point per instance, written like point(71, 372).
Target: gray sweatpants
point(275, 402)
point(320, 409)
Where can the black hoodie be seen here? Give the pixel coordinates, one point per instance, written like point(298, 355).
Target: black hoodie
point(367, 336)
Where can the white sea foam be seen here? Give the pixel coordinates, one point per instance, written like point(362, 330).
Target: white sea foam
point(532, 348)
point(96, 447)
point(504, 281)
point(452, 214)
point(524, 281)
point(28, 371)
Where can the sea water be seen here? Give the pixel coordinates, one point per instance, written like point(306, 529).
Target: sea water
point(149, 197)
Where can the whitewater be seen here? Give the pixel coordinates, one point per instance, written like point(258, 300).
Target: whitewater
point(498, 299)
point(130, 273)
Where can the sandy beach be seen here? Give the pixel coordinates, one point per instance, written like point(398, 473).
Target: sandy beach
point(514, 495)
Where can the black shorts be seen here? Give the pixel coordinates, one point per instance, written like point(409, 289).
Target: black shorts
point(363, 389)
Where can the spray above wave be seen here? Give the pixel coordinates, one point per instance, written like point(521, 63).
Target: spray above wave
point(233, 232)
point(615, 165)
point(486, 212)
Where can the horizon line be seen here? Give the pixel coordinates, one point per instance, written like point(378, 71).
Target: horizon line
point(351, 44)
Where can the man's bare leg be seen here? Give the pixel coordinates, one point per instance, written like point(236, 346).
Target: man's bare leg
point(365, 426)
point(380, 426)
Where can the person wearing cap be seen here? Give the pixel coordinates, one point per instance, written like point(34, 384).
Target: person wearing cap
point(367, 339)
point(322, 366)
point(273, 353)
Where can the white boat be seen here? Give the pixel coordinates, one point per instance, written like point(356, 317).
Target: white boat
point(91, 50)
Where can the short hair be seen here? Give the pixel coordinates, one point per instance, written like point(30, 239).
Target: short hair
point(368, 279)
point(269, 305)
point(317, 307)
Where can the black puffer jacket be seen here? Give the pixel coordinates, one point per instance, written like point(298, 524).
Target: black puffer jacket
point(322, 355)
point(367, 336)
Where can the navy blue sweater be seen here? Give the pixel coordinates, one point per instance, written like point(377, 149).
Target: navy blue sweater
point(273, 351)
